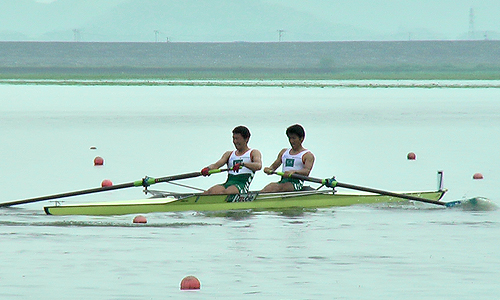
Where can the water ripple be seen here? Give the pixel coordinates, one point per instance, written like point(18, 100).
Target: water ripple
point(105, 224)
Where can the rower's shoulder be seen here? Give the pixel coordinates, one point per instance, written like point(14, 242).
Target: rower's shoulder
point(309, 153)
point(308, 156)
point(283, 151)
point(254, 151)
point(227, 153)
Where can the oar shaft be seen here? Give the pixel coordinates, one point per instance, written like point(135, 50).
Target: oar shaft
point(144, 182)
point(69, 194)
point(386, 193)
point(333, 183)
point(185, 176)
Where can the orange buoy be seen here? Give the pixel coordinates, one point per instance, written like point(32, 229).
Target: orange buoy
point(140, 219)
point(477, 176)
point(411, 156)
point(190, 283)
point(106, 182)
point(98, 161)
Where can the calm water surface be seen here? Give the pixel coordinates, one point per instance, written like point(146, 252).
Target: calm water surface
point(360, 135)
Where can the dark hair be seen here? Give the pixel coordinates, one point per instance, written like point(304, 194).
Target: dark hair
point(245, 133)
point(296, 129)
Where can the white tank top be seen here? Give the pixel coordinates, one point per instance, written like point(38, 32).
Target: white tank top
point(234, 159)
point(292, 162)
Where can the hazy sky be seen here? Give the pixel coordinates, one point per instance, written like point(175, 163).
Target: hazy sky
point(246, 20)
point(449, 16)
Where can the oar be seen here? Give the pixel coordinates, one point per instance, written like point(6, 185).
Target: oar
point(145, 182)
point(331, 182)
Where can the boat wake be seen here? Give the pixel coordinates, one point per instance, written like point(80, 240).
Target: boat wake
point(472, 204)
point(475, 204)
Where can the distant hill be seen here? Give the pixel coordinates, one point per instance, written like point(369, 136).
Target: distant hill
point(29, 20)
point(187, 20)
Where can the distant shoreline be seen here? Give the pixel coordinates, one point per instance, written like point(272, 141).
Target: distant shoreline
point(426, 84)
point(410, 60)
point(229, 74)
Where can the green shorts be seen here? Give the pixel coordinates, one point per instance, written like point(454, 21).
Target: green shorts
point(297, 183)
point(241, 181)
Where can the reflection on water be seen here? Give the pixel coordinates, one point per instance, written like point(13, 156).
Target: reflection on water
point(236, 215)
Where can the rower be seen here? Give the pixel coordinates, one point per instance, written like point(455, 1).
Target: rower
point(242, 164)
point(295, 160)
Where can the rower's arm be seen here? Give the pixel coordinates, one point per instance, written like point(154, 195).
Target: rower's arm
point(275, 165)
point(256, 163)
point(308, 164)
point(222, 161)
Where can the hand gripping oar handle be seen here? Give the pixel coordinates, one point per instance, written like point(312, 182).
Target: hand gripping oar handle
point(145, 182)
point(331, 182)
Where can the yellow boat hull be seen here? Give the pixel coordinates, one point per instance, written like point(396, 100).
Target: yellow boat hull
point(252, 201)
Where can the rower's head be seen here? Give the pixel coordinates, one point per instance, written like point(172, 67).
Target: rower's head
point(296, 135)
point(241, 136)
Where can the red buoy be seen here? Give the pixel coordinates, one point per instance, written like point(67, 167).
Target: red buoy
point(411, 156)
point(98, 161)
point(190, 283)
point(106, 182)
point(140, 219)
point(477, 176)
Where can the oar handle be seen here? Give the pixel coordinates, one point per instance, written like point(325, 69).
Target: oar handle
point(146, 181)
point(331, 182)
